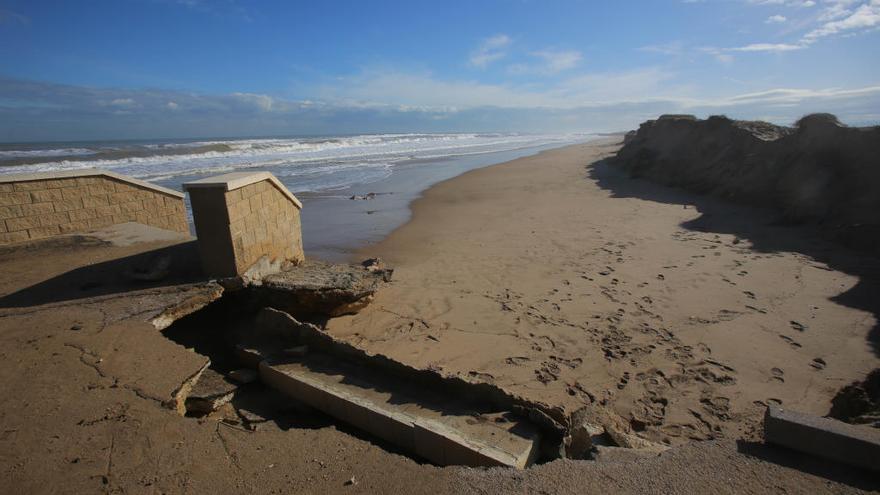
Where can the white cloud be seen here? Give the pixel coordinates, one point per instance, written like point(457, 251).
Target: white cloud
point(775, 19)
point(835, 9)
point(551, 62)
point(673, 48)
point(490, 50)
point(172, 105)
point(557, 61)
point(122, 102)
point(836, 18)
point(767, 47)
point(261, 102)
point(787, 3)
point(426, 92)
point(866, 16)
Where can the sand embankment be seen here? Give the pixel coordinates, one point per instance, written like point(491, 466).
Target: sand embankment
point(818, 171)
point(558, 277)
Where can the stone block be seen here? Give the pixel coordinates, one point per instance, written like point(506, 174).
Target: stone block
point(68, 204)
point(131, 206)
point(101, 188)
point(15, 198)
point(12, 211)
point(22, 223)
point(3, 226)
point(10, 237)
point(74, 192)
point(56, 219)
point(107, 211)
point(46, 196)
point(84, 214)
point(99, 222)
point(29, 185)
point(34, 209)
point(823, 437)
point(47, 231)
point(95, 200)
point(72, 227)
point(6, 188)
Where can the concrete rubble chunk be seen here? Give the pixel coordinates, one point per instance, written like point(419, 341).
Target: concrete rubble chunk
point(631, 441)
point(212, 391)
point(823, 437)
point(315, 287)
point(243, 376)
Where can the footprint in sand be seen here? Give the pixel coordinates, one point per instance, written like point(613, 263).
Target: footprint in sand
point(790, 341)
point(749, 294)
point(800, 327)
point(777, 375)
point(661, 277)
point(623, 380)
point(818, 363)
point(517, 360)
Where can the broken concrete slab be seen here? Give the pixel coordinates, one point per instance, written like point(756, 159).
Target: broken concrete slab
point(315, 287)
point(243, 376)
point(210, 392)
point(440, 430)
point(823, 437)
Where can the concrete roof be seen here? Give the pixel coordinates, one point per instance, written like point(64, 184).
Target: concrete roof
point(237, 180)
point(86, 172)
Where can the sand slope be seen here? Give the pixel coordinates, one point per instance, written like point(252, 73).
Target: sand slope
point(558, 278)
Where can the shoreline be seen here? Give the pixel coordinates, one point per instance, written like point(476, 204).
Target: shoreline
point(563, 280)
point(336, 228)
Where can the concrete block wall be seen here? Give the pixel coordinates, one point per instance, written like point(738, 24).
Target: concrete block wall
point(243, 217)
point(35, 206)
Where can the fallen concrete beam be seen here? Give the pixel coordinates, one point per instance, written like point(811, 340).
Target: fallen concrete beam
point(442, 436)
point(823, 437)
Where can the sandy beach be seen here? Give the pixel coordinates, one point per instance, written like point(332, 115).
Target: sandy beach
point(558, 278)
point(551, 276)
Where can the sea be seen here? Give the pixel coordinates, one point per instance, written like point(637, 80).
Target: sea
point(323, 171)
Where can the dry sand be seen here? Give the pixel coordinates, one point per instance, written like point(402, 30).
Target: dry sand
point(557, 278)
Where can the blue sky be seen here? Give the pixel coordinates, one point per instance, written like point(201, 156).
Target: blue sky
point(162, 68)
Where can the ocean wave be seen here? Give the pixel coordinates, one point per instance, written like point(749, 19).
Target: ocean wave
point(334, 161)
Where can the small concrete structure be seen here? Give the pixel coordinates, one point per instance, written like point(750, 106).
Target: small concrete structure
point(445, 436)
point(823, 437)
point(39, 205)
point(247, 223)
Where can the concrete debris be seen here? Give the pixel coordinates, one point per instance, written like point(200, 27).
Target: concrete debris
point(823, 437)
point(630, 441)
point(243, 376)
point(318, 288)
point(859, 402)
point(210, 392)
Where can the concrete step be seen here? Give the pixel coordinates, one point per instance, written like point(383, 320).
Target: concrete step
point(439, 429)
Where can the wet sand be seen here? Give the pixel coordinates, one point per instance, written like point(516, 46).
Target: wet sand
point(558, 278)
point(335, 226)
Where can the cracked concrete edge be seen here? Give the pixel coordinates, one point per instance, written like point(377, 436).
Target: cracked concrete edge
point(178, 398)
point(186, 307)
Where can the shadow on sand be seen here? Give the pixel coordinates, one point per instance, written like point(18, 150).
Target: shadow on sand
point(162, 267)
point(855, 477)
point(763, 229)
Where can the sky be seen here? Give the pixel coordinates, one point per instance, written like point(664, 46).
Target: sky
point(128, 69)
